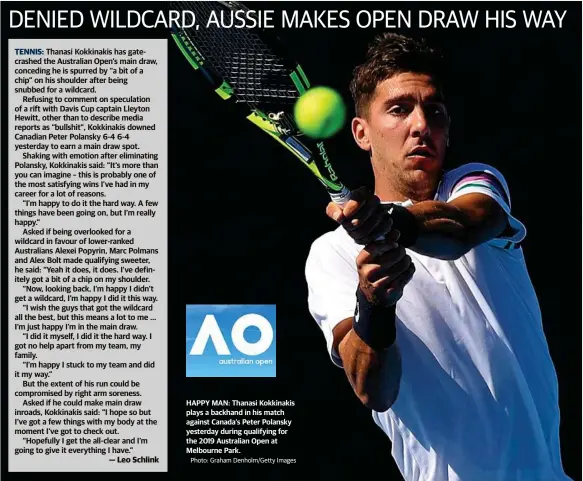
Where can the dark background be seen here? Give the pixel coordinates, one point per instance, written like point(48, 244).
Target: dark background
point(243, 213)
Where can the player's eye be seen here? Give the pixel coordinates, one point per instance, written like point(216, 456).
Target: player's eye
point(398, 110)
point(436, 110)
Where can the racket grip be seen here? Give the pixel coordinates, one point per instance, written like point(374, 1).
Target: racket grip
point(340, 198)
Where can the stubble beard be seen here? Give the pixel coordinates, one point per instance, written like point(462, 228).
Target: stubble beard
point(416, 185)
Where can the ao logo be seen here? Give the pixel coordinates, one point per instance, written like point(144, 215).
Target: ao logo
point(210, 330)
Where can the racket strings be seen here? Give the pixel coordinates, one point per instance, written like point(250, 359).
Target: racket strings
point(257, 75)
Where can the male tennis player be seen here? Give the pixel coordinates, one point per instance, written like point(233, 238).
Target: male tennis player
point(450, 355)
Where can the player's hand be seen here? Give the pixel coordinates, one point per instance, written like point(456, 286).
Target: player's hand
point(384, 269)
point(363, 216)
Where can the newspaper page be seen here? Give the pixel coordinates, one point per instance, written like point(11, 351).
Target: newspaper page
point(346, 211)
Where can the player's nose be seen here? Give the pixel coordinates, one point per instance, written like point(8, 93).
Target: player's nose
point(419, 124)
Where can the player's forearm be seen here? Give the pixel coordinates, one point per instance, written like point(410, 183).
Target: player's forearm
point(449, 230)
point(373, 374)
point(444, 230)
point(440, 217)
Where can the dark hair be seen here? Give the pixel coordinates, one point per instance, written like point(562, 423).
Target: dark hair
point(390, 54)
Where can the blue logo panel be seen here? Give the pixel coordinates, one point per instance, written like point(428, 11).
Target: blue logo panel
point(230, 340)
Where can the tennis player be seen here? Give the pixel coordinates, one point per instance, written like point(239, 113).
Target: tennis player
point(440, 332)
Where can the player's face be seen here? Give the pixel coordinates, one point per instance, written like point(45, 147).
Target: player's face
point(406, 129)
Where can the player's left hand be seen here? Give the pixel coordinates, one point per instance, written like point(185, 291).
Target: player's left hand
point(363, 217)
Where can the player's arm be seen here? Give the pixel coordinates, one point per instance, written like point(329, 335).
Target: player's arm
point(366, 343)
point(374, 374)
point(444, 230)
point(448, 230)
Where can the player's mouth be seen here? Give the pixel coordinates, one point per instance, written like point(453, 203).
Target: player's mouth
point(421, 153)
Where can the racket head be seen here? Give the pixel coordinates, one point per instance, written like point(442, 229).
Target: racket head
point(253, 68)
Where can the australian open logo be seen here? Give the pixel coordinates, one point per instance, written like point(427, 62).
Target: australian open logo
point(230, 341)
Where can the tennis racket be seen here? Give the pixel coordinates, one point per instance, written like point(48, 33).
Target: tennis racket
point(252, 67)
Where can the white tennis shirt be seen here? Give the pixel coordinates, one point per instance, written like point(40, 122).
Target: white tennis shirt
point(478, 398)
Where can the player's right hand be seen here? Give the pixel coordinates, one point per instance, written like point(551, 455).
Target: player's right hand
point(363, 216)
point(384, 269)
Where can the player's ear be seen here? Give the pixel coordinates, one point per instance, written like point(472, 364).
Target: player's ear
point(360, 133)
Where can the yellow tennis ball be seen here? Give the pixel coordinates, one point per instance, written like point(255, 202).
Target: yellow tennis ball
point(320, 112)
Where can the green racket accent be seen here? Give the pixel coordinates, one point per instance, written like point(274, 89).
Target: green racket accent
point(264, 124)
point(297, 82)
point(188, 51)
point(300, 80)
point(225, 91)
point(263, 116)
point(303, 76)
